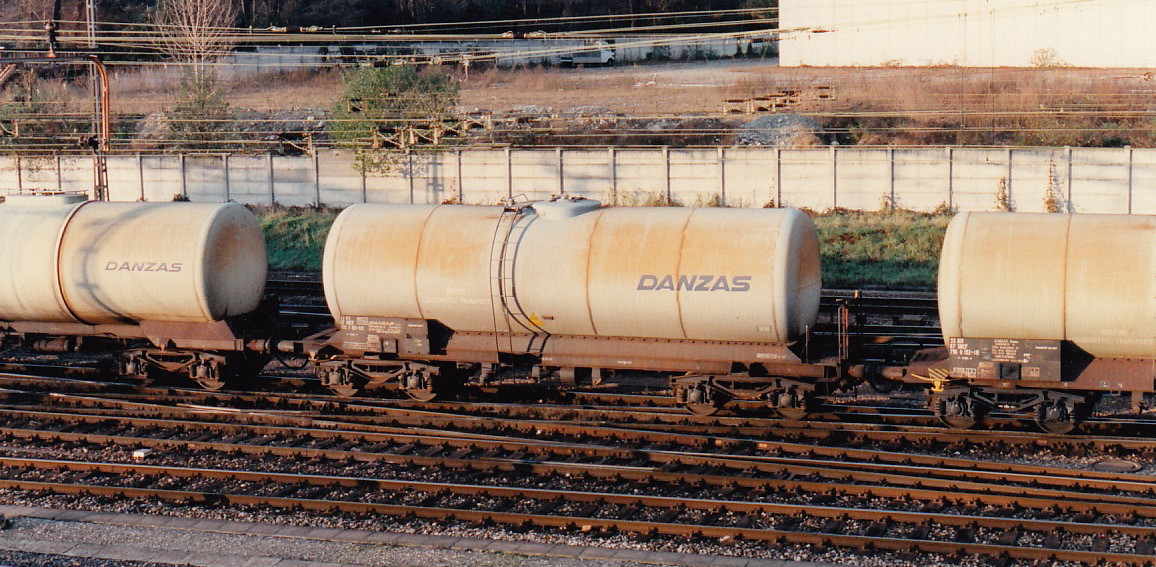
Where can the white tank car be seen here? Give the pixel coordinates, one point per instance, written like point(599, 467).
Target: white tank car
point(109, 262)
point(1085, 278)
point(575, 268)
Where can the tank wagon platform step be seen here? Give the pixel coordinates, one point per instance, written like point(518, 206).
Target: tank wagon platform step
point(188, 541)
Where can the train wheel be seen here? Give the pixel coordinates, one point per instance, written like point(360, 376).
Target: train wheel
point(137, 371)
point(338, 380)
point(1058, 416)
point(792, 404)
point(419, 385)
point(208, 375)
point(422, 395)
point(956, 410)
point(212, 372)
point(699, 398)
point(344, 390)
point(706, 408)
point(793, 414)
point(145, 379)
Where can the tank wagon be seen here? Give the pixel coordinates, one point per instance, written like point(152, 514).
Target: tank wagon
point(1042, 314)
point(717, 300)
point(173, 287)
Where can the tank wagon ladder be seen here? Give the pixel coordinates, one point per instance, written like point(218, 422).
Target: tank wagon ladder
point(503, 297)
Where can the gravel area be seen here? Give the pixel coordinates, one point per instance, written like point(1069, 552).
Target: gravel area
point(21, 559)
point(258, 550)
point(807, 554)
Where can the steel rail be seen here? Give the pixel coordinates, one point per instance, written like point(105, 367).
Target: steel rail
point(999, 489)
point(826, 539)
point(578, 496)
point(662, 423)
point(999, 472)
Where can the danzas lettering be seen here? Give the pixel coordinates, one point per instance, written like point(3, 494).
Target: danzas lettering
point(170, 267)
point(651, 282)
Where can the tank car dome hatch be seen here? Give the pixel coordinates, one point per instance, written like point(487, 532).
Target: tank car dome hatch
point(672, 273)
point(107, 262)
point(54, 199)
point(563, 208)
point(1086, 278)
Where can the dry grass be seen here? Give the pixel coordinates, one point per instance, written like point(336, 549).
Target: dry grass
point(702, 88)
point(871, 106)
point(149, 89)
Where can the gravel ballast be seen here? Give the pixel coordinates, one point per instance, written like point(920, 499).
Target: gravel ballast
point(46, 537)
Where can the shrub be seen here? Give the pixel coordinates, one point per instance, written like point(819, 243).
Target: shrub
point(1003, 197)
point(201, 118)
point(382, 110)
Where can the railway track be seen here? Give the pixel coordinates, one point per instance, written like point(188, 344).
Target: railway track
point(863, 479)
point(498, 466)
point(848, 423)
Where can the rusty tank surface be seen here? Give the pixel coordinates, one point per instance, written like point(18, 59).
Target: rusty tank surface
point(575, 268)
point(1042, 314)
point(712, 301)
point(1085, 278)
point(97, 263)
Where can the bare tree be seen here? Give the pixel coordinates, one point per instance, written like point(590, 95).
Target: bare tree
point(195, 31)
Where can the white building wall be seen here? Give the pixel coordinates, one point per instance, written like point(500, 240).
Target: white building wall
point(973, 33)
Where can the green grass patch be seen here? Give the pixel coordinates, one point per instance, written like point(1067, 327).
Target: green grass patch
point(894, 250)
point(295, 237)
point(890, 249)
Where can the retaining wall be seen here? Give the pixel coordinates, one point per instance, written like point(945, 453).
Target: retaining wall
point(1112, 180)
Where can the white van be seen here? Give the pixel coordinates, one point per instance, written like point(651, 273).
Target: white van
point(596, 53)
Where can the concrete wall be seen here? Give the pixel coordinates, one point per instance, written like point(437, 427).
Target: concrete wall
point(1082, 179)
point(975, 33)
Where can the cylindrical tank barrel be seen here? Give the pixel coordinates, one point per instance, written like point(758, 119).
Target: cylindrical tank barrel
point(1086, 278)
point(571, 268)
point(104, 263)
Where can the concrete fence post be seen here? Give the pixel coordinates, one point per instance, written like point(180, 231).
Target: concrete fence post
point(891, 177)
point(509, 174)
point(184, 179)
point(613, 157)
point(778, 177)
point(1129, 157)
point(461, 180)
point(1068, 155)
point(140, 175)
point(834, 178)
point(364, 185)
point(666, 173)
point(722, 176)
point(409, 174)
point(228, 190)
point(950, 179)
point(316, 180)
point(561, 173)
point(1008, 184)
point(272, 186)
